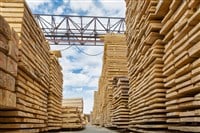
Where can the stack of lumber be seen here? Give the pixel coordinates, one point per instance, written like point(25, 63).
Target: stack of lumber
point(114, 64)
point(181, 28)
point(101, 101)
point(87, 118)
point(8, 65)
point(120, 117)
point(97, 115)
point(145, 52)
point(171, 27)
point(33, 78)
point(92, 121)
point(72, 113)
point(55, 93)
point(95, 118)
point(163, 66)
point(73, 102)
point(71, 118)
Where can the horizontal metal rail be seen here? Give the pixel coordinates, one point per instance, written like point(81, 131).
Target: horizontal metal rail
point(78, 30)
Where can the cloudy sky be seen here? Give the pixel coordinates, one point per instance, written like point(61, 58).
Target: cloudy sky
point(81, 72)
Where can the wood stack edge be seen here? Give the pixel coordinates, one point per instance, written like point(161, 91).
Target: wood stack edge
point(163, 52)
point(28, 70)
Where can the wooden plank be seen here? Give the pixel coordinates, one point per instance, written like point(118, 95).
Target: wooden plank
point(5, 28)
point(3, 61)
point(7, 99)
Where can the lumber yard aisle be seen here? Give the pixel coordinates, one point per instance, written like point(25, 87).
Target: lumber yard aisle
point(163, 60)
point(150, 80)
point(114, 66)
point(91, 129)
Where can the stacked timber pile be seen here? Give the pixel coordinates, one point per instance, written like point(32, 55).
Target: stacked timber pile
point(179, 34)
point(163, 63)
point(101, 98)
point(181, 27)
point(145, 52)
point(55, 92)
point(87, 118)
point(72, 113)
point(73, 102)
point(8, 65)
point(114, 64)
point(95, 119)
point(71, 118)
point(120, 117)
point(33, 77)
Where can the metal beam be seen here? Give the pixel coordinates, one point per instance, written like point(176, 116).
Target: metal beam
point(78, 30)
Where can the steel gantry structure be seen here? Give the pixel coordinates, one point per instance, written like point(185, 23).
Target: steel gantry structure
point(78, 30)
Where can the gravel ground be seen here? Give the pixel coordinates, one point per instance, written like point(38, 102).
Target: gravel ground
point(92, 129)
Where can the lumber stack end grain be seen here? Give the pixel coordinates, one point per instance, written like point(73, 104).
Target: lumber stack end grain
point(95, 115)
point(145, 52)
point(163, 51)
point(72, 113)
point(120, 115)
point(8, 65)
point(181, 27)
point(55, 93)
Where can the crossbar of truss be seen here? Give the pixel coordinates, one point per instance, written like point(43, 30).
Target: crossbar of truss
point(78, 30)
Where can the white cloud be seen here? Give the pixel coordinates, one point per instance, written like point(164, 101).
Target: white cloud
point(88, 104)
point(78, 5)
point(66, 1)
point(78, 79)
point(35, 3)
point(79, 89)
point(93, 82)
point(90, 66)
point(113, 4)
point(114, 7)
point(60, 10)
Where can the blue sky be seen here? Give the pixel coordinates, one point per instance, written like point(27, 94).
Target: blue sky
point(81, 72)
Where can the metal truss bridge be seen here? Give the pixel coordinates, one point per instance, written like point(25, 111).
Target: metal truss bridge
point(78, 30)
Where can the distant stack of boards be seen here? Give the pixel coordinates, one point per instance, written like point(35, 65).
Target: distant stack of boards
point(120, 110)
point(114, 65)
point(55, 93)
point(163, 52)
point(30, 75)
point(72, 114)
